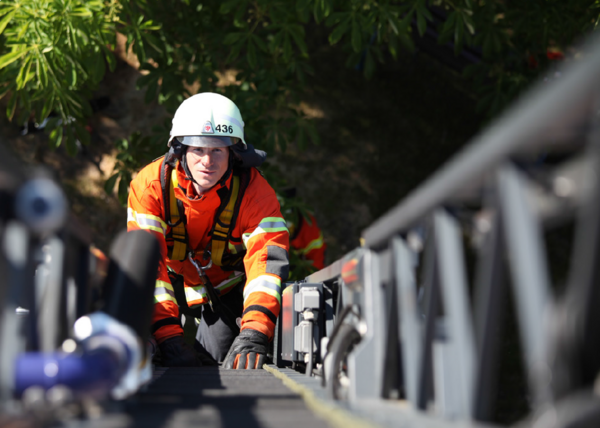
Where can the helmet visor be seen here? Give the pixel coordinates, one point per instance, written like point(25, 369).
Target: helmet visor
point(206, 141)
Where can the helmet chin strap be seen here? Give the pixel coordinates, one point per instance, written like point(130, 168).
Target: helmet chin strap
point(184, 164)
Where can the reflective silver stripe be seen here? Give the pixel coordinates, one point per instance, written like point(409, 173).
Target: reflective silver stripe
point(195, 293)
point(272, 224)
point(147, 221)
point(264, 284)
point(163, 292)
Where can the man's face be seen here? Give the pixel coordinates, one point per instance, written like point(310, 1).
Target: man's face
point(207, 165)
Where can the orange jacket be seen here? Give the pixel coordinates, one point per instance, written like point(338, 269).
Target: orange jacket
point(260, 229)
point(307, 239)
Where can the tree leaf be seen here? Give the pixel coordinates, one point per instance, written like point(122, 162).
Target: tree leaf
point(56, 136)
point(41, 69)
point(287, 47)
point(303, 10)
point(11, 57)
point(421, 23)
point(123, 189)
point(24, 74)
point(339, 31)
point(5, 89)
point(422, 10)
point(232, 38)
point(251, 54)
point(12, 104)
point(109, 185)
point(356, 37)
point(6, 9)
point(110, 58)
point(458, 35)
point(71, 142)
point(228, 6)
point(81, 11)
point(47, 107)
point(260, 43)
point(298, 35)
point(319, 11)
point(4, 22)
point(469, 23)
point(393, 25)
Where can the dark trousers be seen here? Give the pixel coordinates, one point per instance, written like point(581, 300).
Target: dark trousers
point(214, 335)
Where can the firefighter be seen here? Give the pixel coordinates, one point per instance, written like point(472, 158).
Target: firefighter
point(223, 239)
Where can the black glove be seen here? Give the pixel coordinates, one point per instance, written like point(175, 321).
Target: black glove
point(251, 348)
point(177, 353)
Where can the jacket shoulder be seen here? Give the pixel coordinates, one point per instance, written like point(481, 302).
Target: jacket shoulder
point(148, 174)
point(258, 187)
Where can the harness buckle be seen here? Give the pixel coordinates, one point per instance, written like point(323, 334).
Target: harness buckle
point(213, 298)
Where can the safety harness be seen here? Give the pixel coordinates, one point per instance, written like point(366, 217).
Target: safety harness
point(225, 218)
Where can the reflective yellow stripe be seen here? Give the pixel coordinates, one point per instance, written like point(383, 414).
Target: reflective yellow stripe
point(147, 221)
point(313, 245)
point(264, 284)
point(266, 225)
point(163, 292)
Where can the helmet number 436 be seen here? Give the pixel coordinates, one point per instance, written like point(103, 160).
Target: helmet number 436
point(224, 128)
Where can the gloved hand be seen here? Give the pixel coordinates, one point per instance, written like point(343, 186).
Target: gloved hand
point(177, 353)
point(248, 350)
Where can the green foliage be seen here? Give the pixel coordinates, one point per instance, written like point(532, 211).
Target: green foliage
point(133, 152)
point(257, 52)
point(518, 41)
point(53, 53)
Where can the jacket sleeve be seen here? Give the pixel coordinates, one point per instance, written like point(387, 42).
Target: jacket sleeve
point(144, 211)
point(266, 239)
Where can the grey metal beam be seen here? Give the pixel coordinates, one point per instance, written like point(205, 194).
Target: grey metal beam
point(455, 301)
point(327, 273)
point(489, 305)
point(527, 260)
point(575, 349)
point(368, 384)
point(431, 308)
point(410, 324)
point(546, 115)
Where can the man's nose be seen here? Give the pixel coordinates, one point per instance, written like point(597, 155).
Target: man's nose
point(207, 159)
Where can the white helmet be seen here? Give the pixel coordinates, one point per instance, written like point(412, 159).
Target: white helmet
point(208, 120)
